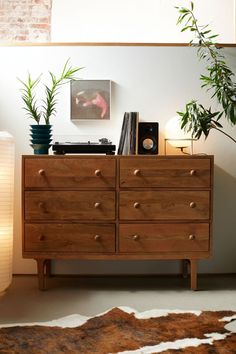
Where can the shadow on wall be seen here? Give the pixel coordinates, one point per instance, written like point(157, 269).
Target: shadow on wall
point(224, 225)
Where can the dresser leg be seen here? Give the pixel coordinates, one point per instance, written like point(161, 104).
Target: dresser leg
point(41, 264)
point(184, 267)
point(48, 267)
point(193, 267)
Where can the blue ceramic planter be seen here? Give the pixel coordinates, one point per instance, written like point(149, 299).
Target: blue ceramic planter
point(41, 138)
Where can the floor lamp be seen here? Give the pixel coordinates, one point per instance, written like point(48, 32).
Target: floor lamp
point(6, 208)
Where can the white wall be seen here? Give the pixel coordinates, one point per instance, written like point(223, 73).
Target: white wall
point(156, 81)
point(136, 20)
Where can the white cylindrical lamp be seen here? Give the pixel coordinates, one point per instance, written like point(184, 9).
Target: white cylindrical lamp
point(7, 163)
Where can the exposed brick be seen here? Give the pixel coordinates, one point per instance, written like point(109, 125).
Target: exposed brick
point(25, 20)
point(20, 38)
point(40, 20)
point(39, 26)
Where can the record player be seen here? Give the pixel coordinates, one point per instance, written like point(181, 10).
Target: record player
point(103, 146)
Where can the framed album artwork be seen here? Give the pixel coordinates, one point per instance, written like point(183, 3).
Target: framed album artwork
point(90, 99)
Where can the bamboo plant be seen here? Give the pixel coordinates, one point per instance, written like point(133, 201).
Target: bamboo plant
point(47, 110)
point(219, 80)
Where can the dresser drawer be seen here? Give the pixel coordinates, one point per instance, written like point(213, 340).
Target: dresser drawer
point(69, 205)
point(158, 205)
point(71, 238)
point(62, 172)
point(165, 172)
point(150, 238)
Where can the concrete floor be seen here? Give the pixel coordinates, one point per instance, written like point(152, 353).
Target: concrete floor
point(23, 302)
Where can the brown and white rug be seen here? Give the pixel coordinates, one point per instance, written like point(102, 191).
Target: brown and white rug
point(124, 330)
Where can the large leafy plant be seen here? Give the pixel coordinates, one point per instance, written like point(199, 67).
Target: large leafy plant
point(47, 110)
point(219, 80)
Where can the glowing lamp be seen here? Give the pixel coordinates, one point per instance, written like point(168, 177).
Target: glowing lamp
point(6, 208)
point(177, 137)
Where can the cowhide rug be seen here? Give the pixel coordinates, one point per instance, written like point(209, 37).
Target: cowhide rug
point(124, 330)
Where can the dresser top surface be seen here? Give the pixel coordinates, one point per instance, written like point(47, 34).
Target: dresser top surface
point(97, 156)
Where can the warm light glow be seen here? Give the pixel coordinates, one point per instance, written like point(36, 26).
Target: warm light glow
point(6, 208)
point(175, 135)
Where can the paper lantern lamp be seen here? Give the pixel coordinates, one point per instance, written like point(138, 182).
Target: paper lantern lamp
point(6, 208)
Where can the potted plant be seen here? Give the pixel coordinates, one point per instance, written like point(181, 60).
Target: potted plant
point(219, 80)
point(41, 133)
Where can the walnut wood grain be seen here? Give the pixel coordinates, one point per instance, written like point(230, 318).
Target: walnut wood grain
point(69, 205)
point(117, 208)
point(70, 238)
point(193, 273)
point(163, 238)
point(164, 205)
point(41, 267)
point(165, 173)
point(70, 173)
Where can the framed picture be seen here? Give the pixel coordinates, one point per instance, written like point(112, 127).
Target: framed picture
point(90, 99)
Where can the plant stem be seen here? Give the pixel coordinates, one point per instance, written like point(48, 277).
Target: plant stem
point(202, 39)
point(196, 118)
point(229, 136)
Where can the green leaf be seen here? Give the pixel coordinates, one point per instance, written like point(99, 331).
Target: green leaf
point(31, 105)
point(183, 10)
point(218, 124)
point(195, 118)
point(213, 36)
point(185, 28)
point(206, 32)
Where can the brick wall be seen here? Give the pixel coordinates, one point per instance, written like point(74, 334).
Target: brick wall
point(25, 20)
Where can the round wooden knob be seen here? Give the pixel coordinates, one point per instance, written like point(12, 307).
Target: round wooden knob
point(41, 172)
point(97, 205)
point(192, 172)
point(97, 173)
point(135, 237)
point(41, 205)
point(136, 205)
point(97, 237)
point(191, 237)
point(41, 237)
point(136, 172)
point(192, 205)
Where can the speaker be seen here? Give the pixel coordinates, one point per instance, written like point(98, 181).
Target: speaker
point(148, 138)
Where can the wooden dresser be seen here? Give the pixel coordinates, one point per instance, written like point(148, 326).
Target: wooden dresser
point(117, 208)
